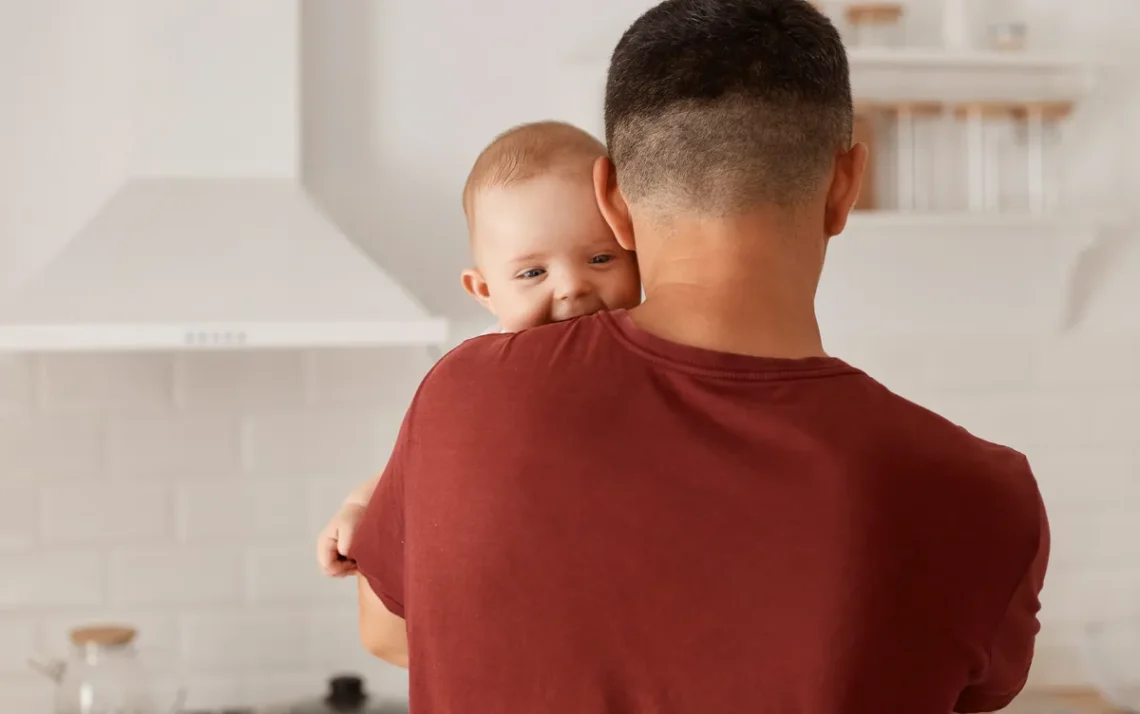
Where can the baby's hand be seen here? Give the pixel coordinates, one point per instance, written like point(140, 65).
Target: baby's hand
point(335, 540)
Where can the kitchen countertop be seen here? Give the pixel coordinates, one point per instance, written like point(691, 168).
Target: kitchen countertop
point(1063, 701)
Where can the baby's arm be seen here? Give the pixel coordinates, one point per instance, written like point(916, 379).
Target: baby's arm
point(362, 494)
point(335, 539)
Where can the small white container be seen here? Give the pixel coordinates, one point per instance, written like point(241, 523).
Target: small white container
point(956, 28)
point(1008, 36)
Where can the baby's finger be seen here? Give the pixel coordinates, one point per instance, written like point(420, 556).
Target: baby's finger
point(341, 568)
point(344, 543)
point(327, 554)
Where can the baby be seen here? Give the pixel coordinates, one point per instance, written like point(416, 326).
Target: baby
point(542, 253)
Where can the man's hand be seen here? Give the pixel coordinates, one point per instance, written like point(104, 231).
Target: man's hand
point(383, 634)
point(335, 540)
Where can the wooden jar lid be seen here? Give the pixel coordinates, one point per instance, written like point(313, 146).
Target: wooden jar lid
point(874, 12)
point(918, 107)
point(103, 636)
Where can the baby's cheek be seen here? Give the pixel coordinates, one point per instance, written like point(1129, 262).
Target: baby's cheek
point(527, 311)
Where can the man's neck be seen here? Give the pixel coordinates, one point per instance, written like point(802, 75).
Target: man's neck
point(745, 288)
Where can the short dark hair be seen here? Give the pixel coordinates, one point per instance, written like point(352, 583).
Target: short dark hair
point(724, 105)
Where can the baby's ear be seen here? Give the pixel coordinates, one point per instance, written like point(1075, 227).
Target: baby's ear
point(476, 286)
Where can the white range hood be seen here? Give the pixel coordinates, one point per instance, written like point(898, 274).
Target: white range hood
point(212, 241)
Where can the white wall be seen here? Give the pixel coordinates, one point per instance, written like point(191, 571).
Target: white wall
point(64, 129)
point(182, 492)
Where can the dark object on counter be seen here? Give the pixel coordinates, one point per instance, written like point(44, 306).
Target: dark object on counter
point(347, 695)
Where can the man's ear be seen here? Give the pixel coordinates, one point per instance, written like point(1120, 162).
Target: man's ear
point(476, 286)
point(846, 182)
point(615, 211)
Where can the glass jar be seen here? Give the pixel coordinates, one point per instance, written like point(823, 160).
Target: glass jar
point(105, 675)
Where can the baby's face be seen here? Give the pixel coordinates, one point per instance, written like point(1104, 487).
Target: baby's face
point(546, 254)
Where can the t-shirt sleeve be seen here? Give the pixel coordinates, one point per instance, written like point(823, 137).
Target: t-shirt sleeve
point(1011, 650)
point(378, 545)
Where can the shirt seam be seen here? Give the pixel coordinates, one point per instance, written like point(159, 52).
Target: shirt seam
point(784, 375)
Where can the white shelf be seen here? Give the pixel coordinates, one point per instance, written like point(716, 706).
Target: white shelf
point(923, 74)
point(955, 273)
point(910, 74)
point(935, 58)
point(957, 221)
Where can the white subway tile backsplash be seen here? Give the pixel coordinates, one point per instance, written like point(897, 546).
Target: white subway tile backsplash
point(325, 498)
point(28, 693)
point(1104, 537)
point(320, 444)
point(366, 377)
point(215, 691)
point(176, 575)
point(1075, 594)
point(1004, 364)
point(16, 393)
point(49, 447)
point(1058, 666)
point(19, 640)
point(227, 381)
point(262, 637)
point(287, 685)
point(44, 578)
point(1087, 479)
point(243, 509)
point(201, 446)
point(107, 512)
point(334, 640)
point(1096, 418)
point(1088, 362)
point(19, 516)
point(289, 574)
point(106, 382)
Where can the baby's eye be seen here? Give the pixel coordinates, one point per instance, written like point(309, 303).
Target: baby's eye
point(599, 259)
point(531, 273)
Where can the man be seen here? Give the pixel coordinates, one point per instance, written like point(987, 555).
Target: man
point(688, 506)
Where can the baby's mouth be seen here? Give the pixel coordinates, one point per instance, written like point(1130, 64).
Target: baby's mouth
point(580, 312)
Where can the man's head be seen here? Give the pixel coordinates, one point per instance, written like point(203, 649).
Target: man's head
point(542, 251)
point(721, 108)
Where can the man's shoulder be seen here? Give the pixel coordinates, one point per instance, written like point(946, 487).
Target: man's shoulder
point(512, 361)
point(511, 353)
point(920, 435)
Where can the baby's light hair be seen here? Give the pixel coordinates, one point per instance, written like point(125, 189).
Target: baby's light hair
point(529, 150)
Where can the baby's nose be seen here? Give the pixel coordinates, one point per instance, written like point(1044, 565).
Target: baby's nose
point(573, 287)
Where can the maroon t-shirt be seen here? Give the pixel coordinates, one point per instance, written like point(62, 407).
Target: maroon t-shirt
point(584, 518)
